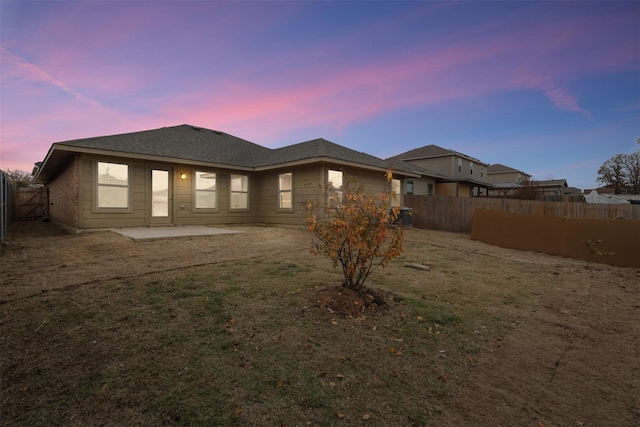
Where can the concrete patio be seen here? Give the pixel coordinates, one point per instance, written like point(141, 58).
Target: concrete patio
point(144, 233)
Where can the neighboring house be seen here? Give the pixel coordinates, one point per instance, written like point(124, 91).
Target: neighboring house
point(506, 180)
point(572, 191)
point(551, 187)
point(456, 174)
point(187, 175)
point(607, 189)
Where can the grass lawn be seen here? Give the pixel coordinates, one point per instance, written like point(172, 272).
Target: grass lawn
point(245, 343)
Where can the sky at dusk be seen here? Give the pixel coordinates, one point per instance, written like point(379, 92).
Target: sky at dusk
point(550, 88)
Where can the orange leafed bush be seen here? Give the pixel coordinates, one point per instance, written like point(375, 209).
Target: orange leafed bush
point(355, 229)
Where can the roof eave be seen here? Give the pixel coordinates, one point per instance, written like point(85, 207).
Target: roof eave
point(326, 159)
point(59, 148)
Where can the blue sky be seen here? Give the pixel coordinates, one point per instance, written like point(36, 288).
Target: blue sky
point(550, 88)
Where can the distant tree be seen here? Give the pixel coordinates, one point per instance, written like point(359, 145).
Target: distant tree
point(622, 172)
point(19, 178)
point(631, 165)
point(528, 191)
point(611, 173)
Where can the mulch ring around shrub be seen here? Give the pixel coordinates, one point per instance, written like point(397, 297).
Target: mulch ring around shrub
point(350, 303)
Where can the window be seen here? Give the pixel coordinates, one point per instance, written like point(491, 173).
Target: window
point(429, 189)
point(470, 168)
point(408, 186)
point(395, 189)
point(459, 165)
point(285, 191)
point(113, 186)
point(205, 190)
point(481, 171)
point(239, 192)
point(334, 186)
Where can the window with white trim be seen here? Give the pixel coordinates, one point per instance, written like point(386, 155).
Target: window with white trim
point(334, 186)
point(459, 165)
point(481, 171)
point(470, 168)
point(239, 192)
point(205, 190)
point(408, 186)
point(285, 191)
point(395, 189)
point(429, 189)
point(113, 187)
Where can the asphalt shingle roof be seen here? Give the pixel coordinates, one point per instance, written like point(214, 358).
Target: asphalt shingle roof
point(181, 142)
point(429, 151)
point(321, 148)
point(499, 168)
point(424, 152)
point(191, 143)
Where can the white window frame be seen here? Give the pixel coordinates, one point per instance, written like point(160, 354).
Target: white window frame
point(332, 188)
point(430, 189)
point(244, 190)
point(99, 185)
point(459, 165)
point(282, 192)
point(481, 171)
point(409, 187)
point(213, 192)
point(396, 188)
point(470, 168)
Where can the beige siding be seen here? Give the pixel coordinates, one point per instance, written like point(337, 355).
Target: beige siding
point(453, 189)
point(263, 194)
point(448, 166)
point(442, 165)
point(307, 184)
point(420, 185)
point(511, 177)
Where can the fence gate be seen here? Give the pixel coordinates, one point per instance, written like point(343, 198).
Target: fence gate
point(29, 203)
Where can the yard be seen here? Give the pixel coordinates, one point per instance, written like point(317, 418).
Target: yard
point(97, 329)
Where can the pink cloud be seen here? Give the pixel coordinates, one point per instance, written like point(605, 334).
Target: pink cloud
point(332, 92)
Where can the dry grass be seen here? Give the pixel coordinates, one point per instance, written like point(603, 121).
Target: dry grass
point(244, 343)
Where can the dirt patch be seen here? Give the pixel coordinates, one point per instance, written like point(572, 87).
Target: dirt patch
point(349, 303)
point(569, 354)
point(340, 300)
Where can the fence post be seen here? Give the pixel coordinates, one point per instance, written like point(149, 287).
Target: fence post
point(5, 205)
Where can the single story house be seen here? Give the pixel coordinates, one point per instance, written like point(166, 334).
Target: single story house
point(188, 175)
point(456, 174)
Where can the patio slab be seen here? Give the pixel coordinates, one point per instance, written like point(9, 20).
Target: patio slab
point(143, 233)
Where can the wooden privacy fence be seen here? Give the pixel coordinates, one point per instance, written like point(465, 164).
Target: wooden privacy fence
point(593, 240)
point(456, 213)
point(29, 203)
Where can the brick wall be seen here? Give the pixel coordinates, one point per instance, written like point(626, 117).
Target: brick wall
point(63, 195)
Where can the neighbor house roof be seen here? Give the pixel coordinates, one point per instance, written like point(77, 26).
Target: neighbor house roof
point(322, 149)
point(196, 145)
point(430, 151)
point(550, 183)
point(499, 168)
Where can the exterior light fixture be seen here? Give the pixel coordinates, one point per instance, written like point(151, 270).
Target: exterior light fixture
point(183, 175)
